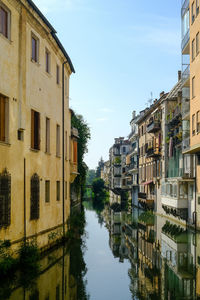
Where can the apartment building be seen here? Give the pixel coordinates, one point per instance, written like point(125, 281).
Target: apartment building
point(150, 155)
point(36, 163)
point(117, 183)
point(132, 161)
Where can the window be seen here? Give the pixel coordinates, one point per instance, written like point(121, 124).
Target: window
point(3, 119)
point(197, 43)
point(75, 152)
point(58, 292)
point(47, 135)
point(58, 140)
point(58, 190)
point(192, 12)
point(35, 197)
point(193, 87)
point(4, 21)
point(193, 124)
point(57, 74)
point(47, 56)
point(197, 7)
point(66, 145)
point(5, 199)
point(35, 48)
point(47, 191)
point(193, 49)
point(65, 189)
point(35, 130)
point(20, 135)
point(198, 121)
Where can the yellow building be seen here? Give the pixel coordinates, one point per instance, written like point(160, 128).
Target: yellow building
point(191, 88)
point(150, 159)
point(34, 88)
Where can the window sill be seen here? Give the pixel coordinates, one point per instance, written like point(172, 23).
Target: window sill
point(6, 38)
point(48, 74)
point(58, 156)
point(5, 143)
point(35, 62)
point(47, 153)
point(34, 150)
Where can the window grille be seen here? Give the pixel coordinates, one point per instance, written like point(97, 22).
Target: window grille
point(5, 198)
point(35, 197)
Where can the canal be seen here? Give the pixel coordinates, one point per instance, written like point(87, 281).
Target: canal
point(122, 256)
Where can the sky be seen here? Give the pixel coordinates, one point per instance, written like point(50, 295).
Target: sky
point(122, 51)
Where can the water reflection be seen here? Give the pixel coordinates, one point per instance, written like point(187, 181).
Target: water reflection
point(62, 277)
point(164, 257)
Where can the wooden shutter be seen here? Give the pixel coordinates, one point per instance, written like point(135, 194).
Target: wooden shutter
point(75, 151)
point(3, 22)
point(32, 129)
point(2, 118)
point(35, 197)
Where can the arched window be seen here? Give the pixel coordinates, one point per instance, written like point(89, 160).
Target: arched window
point(5, 198)
point(35, 197)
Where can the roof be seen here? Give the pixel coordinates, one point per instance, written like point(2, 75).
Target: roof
point(151, 108)
point(174, 91)
point(53, 33)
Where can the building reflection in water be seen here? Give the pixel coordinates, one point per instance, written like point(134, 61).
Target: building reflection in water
point(164, 257)
point(61, 277)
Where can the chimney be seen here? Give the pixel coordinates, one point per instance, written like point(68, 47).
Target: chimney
point(133, 114)
point(162, 93)
point(179, 75)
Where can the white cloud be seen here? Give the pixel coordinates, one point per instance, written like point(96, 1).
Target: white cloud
point(106, 110)
point(102, 119)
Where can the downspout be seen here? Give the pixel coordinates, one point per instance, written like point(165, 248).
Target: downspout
point(63, 146)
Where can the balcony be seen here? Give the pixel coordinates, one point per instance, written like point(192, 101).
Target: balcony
point(185, 6)
point(142, 195)
point(132, 167)
point(73, 171)
point(186, 76)
point(186, 144)
point(186, 109)
point(153, 126)
point(153, 152)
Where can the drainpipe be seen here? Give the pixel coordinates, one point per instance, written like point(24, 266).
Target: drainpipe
point(63, 146)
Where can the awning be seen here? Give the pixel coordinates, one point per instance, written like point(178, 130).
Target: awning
point(147, 182)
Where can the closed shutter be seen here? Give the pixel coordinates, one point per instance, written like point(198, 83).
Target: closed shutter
point(2, 119)
point(75, 151)
point(32, 129)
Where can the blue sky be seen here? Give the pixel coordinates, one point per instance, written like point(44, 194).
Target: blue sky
point(122, 50)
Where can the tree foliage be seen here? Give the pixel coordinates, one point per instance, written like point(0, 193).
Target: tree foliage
point(84, 136)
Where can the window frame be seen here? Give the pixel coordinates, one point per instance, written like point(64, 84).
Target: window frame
point(193, 124)
point(57, 74)
point(47, 61)
point(48, 135)
point(197, 43)
point(193, 86)
point(193, 49)
point(36, 59)
point(58, 190)
point(58, 140)
point(8, 21)
point(192, 13)
point(35, 142)
point(47, 191)
point(198, 121)
point(4, 119)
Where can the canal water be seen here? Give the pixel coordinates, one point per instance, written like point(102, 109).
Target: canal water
point(123, 256)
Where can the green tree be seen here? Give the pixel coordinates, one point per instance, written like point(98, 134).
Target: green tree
point(91, 174)
point(84, 136)
point(98, 187)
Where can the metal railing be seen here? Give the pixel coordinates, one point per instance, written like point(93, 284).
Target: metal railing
point(185, 39)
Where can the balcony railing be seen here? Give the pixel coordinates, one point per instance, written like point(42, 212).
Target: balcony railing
point(133, 166)
point(142, 195)
point(186, 73)
point(153, 126)
point(185, 39)
point(185, 6)
point(185, 108)
point(153, 152)
point(186, 144)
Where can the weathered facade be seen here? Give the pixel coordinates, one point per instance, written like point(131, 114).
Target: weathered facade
point(35, 126)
